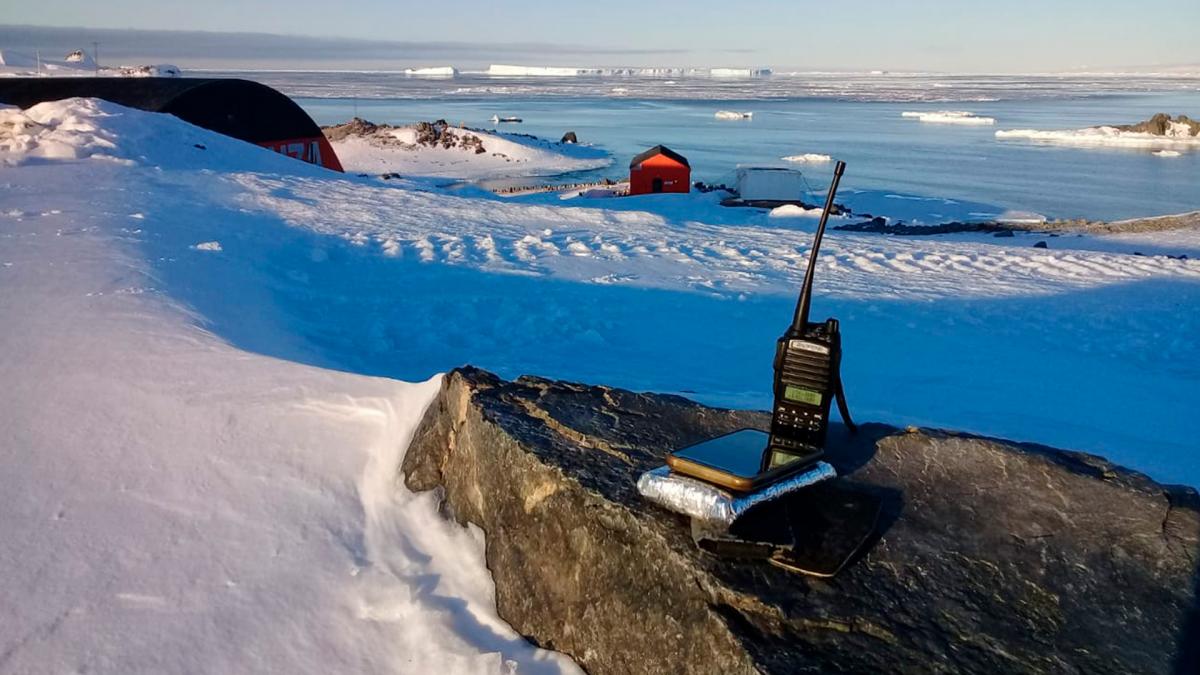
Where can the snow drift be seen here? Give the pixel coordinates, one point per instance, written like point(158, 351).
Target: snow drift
point(175, 503)
point(200, 452)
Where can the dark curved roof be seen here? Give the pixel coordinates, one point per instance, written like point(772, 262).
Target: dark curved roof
point(659, 150)
point(245, 110)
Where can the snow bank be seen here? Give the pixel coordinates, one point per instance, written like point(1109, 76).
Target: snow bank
point(57, 130)
point(809, 157)
point(175, 503)
point(950, 117)
point(731, 115)
point(1105, 136)
point(794, 211)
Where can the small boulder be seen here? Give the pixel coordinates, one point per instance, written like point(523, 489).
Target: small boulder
point(569, 137)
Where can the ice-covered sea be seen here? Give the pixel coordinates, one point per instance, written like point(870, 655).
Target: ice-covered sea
point(857, 118)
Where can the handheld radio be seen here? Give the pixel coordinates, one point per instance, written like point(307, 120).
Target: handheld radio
point(808, 359)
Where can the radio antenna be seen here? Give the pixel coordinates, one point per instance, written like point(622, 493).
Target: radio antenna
point(800, 319)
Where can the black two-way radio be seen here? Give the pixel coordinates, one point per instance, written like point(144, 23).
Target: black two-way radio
point(808, 361)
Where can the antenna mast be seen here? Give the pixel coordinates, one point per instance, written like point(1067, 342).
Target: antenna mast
point(802, 305)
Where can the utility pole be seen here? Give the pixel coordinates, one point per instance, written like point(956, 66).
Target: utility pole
point(39, 61)
point(96, 56)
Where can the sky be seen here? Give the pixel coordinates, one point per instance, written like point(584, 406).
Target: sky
point(929, 35)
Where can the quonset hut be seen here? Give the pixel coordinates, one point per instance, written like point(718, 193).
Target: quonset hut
point(659, 169)
point(242, 109)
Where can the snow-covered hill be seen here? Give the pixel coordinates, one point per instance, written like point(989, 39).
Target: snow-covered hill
point(437, 149)
point(201, 344)
point(75, 64)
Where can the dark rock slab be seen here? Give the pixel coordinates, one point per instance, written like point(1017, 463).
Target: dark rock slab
point(993, 556)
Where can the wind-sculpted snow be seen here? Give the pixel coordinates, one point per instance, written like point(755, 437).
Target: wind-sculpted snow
point(198, 346)
point(645, 249)
point(178, 504)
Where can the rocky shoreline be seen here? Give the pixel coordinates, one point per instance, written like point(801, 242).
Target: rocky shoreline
point(1177, 221)
point(993, 557)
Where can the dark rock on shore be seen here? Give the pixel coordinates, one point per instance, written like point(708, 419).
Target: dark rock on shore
point(569, 137)
point(1161, 123)
point(355, 127)
point(881, 225)
point(1177, 221)
point(993, 556)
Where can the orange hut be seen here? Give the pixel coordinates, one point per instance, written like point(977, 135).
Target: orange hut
point(659, 169)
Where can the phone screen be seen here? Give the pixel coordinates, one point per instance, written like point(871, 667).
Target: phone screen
point(738, 454)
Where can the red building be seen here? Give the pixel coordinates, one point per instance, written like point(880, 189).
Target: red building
point(659, 169)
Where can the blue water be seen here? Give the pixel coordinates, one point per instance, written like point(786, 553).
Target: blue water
point(884, 151)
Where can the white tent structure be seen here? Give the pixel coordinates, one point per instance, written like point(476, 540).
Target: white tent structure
point(768, 183)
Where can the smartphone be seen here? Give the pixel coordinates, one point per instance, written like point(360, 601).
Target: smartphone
point(743, 461)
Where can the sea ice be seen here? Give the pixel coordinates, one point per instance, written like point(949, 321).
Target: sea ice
point(950, 117)
point(809, 157)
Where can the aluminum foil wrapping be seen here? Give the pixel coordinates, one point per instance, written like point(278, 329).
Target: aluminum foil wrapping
point(708, 502)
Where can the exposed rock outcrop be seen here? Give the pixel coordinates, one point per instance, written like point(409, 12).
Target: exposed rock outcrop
point(1163, 124)
point(355, 127)
point(427, 134)
point(992, 557)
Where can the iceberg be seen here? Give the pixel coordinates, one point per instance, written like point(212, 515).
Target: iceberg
point(538, 71)
point(810, 157)
point(436, 71)
point(739, 72)
point(950, 117)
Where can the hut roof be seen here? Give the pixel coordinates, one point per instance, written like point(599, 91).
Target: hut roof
point(245, 110)
point(659, 150)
